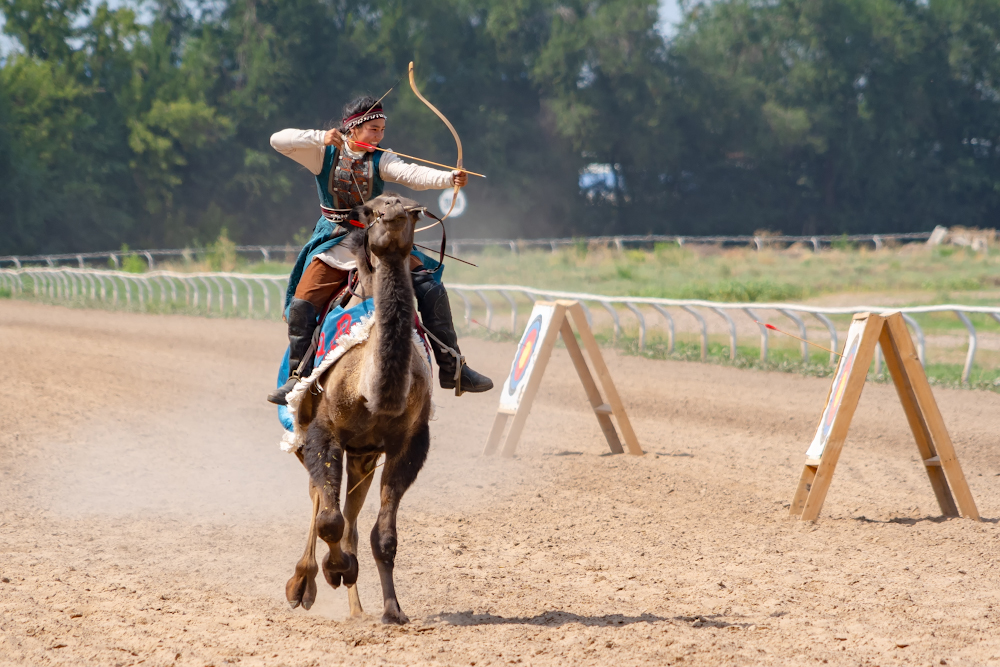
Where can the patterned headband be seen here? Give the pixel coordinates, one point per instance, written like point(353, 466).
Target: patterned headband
point(352, 122)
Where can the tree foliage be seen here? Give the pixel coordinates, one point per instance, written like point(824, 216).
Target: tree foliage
point(149, 123)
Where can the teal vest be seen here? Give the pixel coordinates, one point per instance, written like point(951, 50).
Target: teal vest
point(327, 185)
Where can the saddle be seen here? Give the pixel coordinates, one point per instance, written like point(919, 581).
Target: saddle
point(339, 320)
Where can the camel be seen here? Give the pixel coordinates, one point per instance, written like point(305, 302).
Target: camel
point(375, 400)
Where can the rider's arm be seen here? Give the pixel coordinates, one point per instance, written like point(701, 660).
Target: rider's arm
point(306, 147)
point(413, 176)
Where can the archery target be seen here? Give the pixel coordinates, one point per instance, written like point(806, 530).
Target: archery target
point(524, 358)
point(444, 202)
point(524, 353)
point(837, 391)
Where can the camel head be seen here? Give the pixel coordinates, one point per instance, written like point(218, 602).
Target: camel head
point(391, 220)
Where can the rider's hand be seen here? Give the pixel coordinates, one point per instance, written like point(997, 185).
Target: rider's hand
point(459, 178)
point(333, 138)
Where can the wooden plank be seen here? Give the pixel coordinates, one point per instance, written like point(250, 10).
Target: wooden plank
point(802, 492)
point(605, 377)
point(499, 421)
point(894, 361)
point(932, 417)
point(524, 406)
point(820, 485)
point(601, 409)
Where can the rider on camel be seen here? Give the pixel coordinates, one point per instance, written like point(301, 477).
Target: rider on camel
point(348, 175)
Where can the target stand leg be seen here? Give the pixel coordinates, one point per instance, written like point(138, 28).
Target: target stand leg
point(496, 432)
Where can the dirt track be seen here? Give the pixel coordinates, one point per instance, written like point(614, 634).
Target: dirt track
point(148, 517)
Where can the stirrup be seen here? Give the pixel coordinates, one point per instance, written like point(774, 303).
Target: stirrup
point(278, 396)
point(459, 365)
point(459, 360)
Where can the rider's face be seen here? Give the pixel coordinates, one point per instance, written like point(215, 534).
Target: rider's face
point(370, 132)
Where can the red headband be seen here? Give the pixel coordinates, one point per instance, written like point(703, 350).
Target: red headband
point(363, 117)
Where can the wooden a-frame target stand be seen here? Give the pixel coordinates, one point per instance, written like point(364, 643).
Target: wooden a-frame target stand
point(549, 320)
point(935, 446)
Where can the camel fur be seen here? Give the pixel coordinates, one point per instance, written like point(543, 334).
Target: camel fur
point(375, 400)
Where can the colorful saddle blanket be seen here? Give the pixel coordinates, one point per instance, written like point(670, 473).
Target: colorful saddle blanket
point(336, 323)
point(341, 330)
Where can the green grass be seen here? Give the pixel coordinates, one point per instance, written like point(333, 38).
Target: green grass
point(926, 275)
point(738, 274)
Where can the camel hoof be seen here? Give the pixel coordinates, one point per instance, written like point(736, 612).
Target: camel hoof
point(346, 572)
point(301, 590)
point(394, 615)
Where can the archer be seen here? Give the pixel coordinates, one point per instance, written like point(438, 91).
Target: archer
point(348, 175)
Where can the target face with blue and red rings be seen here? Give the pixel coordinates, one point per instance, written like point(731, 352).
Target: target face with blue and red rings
point(525, 352)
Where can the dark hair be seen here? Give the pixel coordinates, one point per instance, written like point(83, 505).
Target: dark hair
point(359, 105)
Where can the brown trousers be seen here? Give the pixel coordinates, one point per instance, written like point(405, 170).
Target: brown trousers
point(320, 282)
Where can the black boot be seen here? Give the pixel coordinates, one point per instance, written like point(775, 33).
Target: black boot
point(435, 312)
point(301, 324)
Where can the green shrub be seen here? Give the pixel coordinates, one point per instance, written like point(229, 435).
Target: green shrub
point(751, 290)
point(131, 262)
point(842, 243)
point(221, 255)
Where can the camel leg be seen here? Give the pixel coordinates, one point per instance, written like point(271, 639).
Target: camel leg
point(324, 458)
point(301, 588)
point(358, 479)
point(399, 473)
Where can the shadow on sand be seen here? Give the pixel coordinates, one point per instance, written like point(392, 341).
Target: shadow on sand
point(908, 521)
point(558, 618)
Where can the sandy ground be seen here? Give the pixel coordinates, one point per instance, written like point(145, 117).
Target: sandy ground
point(148, 517)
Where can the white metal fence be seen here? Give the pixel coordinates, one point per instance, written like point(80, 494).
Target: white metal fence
point(641, 307)
point(235, 294)
point(261, 296)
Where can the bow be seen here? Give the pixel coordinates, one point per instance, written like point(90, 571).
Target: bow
point(458, 142)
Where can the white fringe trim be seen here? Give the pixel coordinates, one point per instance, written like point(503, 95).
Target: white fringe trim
point(292, 441)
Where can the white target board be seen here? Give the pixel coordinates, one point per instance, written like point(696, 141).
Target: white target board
point(837, 390)
point(527, 353)
point(547, 322)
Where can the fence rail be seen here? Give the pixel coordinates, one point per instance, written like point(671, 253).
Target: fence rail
point(236, 294)
point(261, 296)
point(697, 309)
point(265, 252)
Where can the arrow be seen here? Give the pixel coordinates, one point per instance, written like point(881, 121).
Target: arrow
point(418, 159)
point(808, 342)
point(422, 247)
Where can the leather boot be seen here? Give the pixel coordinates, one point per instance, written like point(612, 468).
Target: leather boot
point(435, 313)
point(301, 324)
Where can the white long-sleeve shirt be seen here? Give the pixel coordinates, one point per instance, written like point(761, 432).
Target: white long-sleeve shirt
point(307, 148)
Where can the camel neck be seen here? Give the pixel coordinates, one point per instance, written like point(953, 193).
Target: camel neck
point(394, 322)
